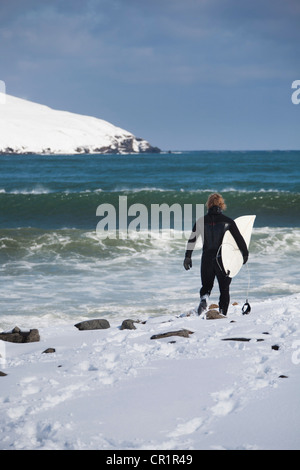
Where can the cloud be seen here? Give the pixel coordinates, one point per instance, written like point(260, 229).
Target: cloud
point(154, 42)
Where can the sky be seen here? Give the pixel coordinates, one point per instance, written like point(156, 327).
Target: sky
point(182, 74)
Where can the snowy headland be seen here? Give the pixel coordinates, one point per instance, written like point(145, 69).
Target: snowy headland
point(31, 128)
point(231, 383)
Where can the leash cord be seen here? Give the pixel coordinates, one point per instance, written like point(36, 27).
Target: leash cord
point(246, 307)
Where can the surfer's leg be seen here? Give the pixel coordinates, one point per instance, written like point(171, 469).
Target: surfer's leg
point(224, 283)
point(207, 275)
point(207, 279)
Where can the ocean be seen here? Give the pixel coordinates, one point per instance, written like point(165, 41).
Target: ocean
point(55, 268)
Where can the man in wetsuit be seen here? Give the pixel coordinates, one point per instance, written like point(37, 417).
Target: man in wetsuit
point(212, 228)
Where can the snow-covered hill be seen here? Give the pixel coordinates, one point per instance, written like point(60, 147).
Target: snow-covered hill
point(27, 127)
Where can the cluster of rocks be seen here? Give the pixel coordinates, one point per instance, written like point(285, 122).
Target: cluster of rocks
point(102, 324)
point(18, 336)
point(121, 145)
point(128, 324)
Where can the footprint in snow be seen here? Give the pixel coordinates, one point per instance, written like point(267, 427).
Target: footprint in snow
point(225, 403)
point(188, 427)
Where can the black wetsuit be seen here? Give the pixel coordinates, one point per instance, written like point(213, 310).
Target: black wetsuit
point(212, 229)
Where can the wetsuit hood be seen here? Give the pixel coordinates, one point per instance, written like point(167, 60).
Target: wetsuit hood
point(215, 210)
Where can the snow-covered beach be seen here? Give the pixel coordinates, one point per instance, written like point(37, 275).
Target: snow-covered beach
point(119, 389)
point(232, 384)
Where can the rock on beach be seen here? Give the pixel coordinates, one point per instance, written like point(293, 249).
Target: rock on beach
point(18, 336)
point(100, 324)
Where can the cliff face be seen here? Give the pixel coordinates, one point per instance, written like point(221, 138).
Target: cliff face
point(27, 127)
point(122, 145)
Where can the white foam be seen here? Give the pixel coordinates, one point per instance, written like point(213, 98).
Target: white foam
point(62, 271)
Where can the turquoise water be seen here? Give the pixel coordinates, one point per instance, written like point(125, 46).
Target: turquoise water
point(54, 267)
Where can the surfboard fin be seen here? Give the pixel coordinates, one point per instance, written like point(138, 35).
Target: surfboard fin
point(246, 309)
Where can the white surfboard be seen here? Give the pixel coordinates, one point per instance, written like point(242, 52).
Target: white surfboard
point(232, 258)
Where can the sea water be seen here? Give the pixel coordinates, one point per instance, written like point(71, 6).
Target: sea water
point(54, 266)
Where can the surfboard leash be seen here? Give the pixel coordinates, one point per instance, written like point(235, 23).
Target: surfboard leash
point(246, 308)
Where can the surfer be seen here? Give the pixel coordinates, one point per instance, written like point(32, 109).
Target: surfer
point(212, 228)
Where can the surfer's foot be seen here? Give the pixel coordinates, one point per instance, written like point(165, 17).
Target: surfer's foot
point(222, 313)
point(202, 306)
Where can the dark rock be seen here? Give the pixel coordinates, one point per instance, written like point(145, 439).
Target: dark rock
point(48, 351)
point(100, 324)
point(283, 377)
point(236, 339)
point(33, 336)
point(127, 325)
point(213, 315)
point(18, 336)
point(275, 347)
point(183, 332)
point(242, 339)
point(213, 306)
point(2, 374)
point(12, 337)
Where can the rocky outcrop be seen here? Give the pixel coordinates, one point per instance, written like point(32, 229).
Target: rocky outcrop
point(18, 336)
point(122, 145)
point(119, 147)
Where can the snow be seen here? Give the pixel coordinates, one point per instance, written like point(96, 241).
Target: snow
point(28, 127)
point(118, 389)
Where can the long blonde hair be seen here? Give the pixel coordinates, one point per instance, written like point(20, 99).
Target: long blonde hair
point(216, 199)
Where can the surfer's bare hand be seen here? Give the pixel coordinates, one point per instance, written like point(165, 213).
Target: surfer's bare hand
point(187, 263)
